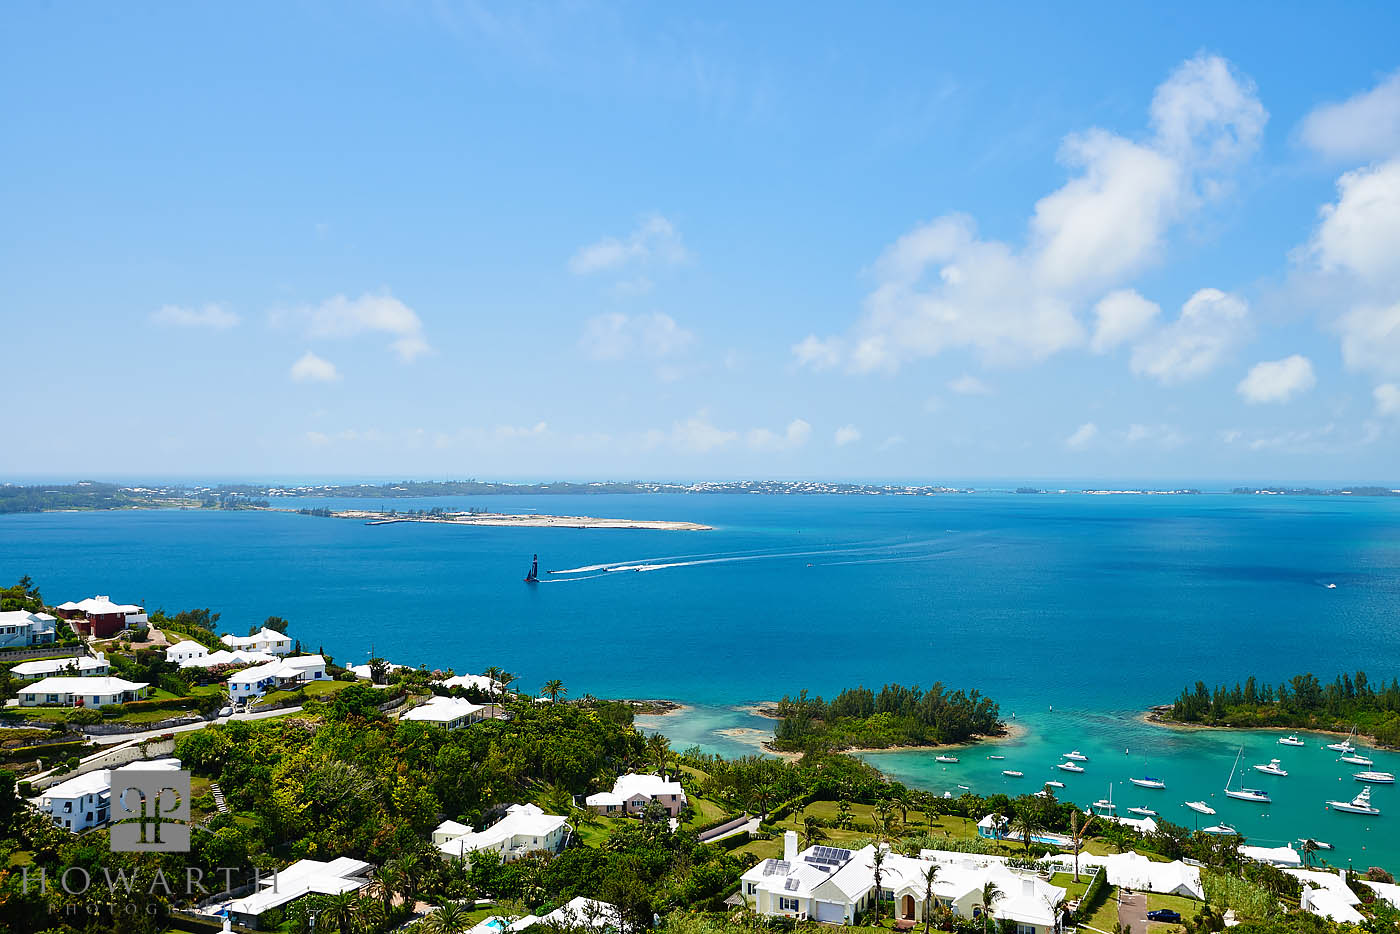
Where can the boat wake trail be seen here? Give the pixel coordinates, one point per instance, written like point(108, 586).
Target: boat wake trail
point(863, 552)
point(567, 580)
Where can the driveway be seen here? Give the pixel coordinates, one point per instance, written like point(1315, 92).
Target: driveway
point(111, 739)
point(1132, 911)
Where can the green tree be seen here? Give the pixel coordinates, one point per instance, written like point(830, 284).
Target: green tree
point(813, 832)
point(554, 689)
point(990, 893)
point(930, 877)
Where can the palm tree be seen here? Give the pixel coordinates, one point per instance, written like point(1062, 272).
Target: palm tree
point(990, 894)
point(878, 864)
point(1308, 848)
point(390, 879)
point(494, 675)
point(930, 877)
point(763, 796)
point(884, 812)
point(451, 918)
point(843, 814)
point(341, 907)
point(659, 750)
point(1028, 824)
point(554, 688)
point(1078, 830)
point(812, 831)
point(558, 800)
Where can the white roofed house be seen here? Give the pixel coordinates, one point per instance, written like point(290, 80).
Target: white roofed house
point(19, 628)
point(100, 618)
point(226, 657)
point(524, 829)
point(276, 675)
point(264, 640)
point(184, 651)
point(82, 666)
point(80, 692)
point(302, 878)
point(85, 801)
point(451, 713)
point(821, 883)
point(632, 793)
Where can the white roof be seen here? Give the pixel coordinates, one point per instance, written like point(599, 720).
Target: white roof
point(103, 685)
point(1273, 855)
point(451, 828)
point(187, 645)
point(1024, 897)
point(521, 820)
point(631, 785)
point(70, 605)
point(467, 681)
point(22, 618)
point(278, 668)
point(1331, 904)
point(1386, 890)
point(225, 657)
point(102, 606)
point(304, 877)
point(580, 911)
point(362, 671)
point(304, 662)
point(49, 666)
point(441, 710)
point(262, 635)
point(100, 780)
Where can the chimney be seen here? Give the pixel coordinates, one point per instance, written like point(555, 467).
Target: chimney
point(790, 845)
point(1027, 887)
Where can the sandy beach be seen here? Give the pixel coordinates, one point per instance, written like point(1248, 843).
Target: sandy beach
point(657, 709)
point(1361, 739)
point(530, 521)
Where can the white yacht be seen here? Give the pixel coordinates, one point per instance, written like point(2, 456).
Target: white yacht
point(945, 758)
point(1145, 812)
point(1361, 804)
point(1070, 767)
point(1012, 773)
point(1375, 778)
point(1106, 806)
point(1147, 781)
point(996, 757)
point(1345, 747)
point(1242, 793)
point(1221, 830)
point(1357, 759)
point(1200, 807)
point(1056, 784)
point(1077, 756)
point(1290, 740)
point(1273, 768)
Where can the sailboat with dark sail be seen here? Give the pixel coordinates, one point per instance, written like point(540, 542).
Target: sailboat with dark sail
point(534, 576)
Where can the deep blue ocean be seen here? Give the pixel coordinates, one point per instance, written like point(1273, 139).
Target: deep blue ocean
point(1095, 606)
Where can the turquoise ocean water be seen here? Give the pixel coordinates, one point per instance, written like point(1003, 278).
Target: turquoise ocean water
point(1094, 606)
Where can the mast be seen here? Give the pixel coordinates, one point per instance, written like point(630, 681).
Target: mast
point(1231, 780)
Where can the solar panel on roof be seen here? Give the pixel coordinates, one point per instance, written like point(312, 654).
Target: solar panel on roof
point(792, 884)
point(777, 867)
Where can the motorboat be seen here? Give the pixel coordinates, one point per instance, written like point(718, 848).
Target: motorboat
point(1076, 756)
point(1290, 740)
point(1056, 784)
point(1244, 794)
point(1070, 767)
point(1200, 807)
point(1144, 812)
point(1376, 778)
point(1361, 804)
point(996, 757)
point(945, 758)
point(1147, 781)
point(1273, 768)
point(1357, 759)
point(1317, 844)
point(1221, 830)
point(1012, 773)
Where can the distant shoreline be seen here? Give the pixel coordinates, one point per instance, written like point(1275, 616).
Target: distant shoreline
point(526, 521)
point(1153, 717)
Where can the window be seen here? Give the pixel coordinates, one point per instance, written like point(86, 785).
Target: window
point(1025, 929)
point(788, 904)
point(753, 888)
point(887, 895)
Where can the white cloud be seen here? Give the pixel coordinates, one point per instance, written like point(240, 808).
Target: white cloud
point(340, 317)
point(616, 336)
point(969, 385)
point(655, 240)
point(794, 436)
point(818, 353)
point(941, 286)
point(310, 368)
point(1082, 435)
point(892, 442)
point(698, 434)
point(317, 438)
point(847, 434)
point(1278, 380)
point(214, 317)
point(1120, 317)
point(1362, 127)
point(1360, 233)
point(1212, 324)
point(1387, 397)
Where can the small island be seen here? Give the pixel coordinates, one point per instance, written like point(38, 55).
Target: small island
point(518, 521)
point(1350, 702)
point(860, 720)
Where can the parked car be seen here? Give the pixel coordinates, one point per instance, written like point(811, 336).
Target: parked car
point(1164, 914)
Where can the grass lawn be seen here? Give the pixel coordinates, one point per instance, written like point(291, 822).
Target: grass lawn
point(1065, 880)
point(705, 811)
point(1107, 914)
point(1186, 907)
point(319, 689)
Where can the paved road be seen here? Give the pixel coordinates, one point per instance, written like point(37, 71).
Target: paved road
point(1132, 912)
point(111, 739)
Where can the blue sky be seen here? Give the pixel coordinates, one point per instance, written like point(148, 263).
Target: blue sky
point(708, 241)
